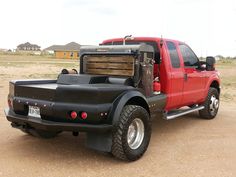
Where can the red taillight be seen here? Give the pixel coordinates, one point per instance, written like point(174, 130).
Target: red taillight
point(84, 115)
point(73, 115)
point(9, 101)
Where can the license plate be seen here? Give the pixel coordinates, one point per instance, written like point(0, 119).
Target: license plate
point(34, 111)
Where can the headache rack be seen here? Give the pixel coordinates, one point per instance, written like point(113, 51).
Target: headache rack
point(115, 60)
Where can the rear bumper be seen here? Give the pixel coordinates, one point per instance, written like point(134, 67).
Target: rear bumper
point(19, 121)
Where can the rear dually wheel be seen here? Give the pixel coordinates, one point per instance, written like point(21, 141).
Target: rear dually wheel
point(132, 134)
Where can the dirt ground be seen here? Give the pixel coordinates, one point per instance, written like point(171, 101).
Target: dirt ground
point(187, 146)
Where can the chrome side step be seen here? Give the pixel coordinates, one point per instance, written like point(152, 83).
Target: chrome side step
point(178, 113)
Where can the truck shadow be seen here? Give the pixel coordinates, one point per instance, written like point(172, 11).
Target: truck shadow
point(160, 125)
point(66, 147)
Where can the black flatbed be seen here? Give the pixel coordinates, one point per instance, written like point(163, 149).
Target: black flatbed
point(19, 120)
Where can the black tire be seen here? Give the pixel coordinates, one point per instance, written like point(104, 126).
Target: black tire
point(41, 133)
point(210, 111)
point(120, 147)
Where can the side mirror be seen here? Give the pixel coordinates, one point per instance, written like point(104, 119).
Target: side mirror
point(210, 63)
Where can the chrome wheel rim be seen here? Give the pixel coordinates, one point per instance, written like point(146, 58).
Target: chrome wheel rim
point(135, 133)
point(214, 104)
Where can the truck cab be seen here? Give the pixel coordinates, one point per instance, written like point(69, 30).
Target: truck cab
point(182, 77)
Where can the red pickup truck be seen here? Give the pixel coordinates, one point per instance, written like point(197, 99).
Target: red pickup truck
point(183, 78)
point(120, 85)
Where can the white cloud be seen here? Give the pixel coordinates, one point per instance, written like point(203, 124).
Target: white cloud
point(207, 26)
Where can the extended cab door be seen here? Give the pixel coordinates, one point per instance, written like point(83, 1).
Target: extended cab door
point(193, 91)
point(175, 91)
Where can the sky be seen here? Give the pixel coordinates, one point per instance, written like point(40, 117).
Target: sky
point(208, 26)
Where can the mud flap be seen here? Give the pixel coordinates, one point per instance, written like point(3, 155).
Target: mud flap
point(99, 141)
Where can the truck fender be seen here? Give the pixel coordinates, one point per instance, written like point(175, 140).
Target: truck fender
point(212, 82)
point(103, 141)
point(134, 97)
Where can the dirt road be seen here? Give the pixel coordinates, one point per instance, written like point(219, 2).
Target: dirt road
point(186, 146)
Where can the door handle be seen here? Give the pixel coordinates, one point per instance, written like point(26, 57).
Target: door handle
point(185, 76)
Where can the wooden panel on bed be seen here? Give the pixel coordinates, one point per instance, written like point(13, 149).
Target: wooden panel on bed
point(110, 65)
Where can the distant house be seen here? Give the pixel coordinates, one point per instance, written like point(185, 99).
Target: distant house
point(28, 47)
point(3, 50)
point(219, 57)
point(68, 51)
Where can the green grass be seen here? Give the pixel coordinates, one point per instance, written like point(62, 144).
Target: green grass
point(73, 64)
point(227, 69)
point(224, 64)
point(26, 61)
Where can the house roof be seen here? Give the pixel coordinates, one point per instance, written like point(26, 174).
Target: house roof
point(72, 46)
point(54, 47)
point(27, 44)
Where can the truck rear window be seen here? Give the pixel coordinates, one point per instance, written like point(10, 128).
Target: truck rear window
point(174, 57)
point(153, 44)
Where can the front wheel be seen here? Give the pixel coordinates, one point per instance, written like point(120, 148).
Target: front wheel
point(211, 104)
point(132, 134)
